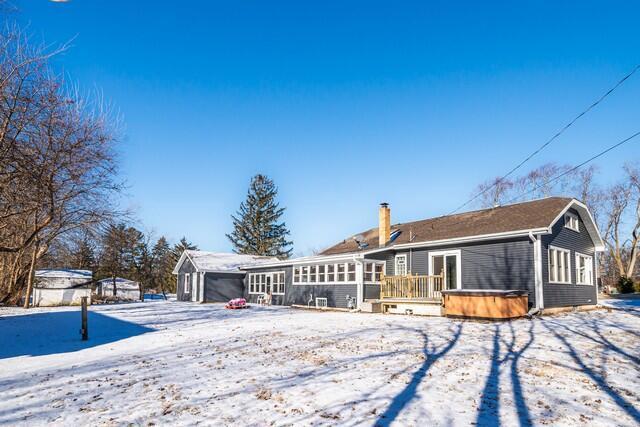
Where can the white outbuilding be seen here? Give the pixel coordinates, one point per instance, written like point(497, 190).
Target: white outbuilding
point(61, 287)
point(125, 288)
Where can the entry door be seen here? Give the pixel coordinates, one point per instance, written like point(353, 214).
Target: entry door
point(447, 264)
point(268, 281)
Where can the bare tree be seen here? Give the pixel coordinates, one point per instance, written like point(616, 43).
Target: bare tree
point(57, 164)
point(621, 231)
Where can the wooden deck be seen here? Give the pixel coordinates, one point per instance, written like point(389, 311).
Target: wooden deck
point(411, 295)
point(415, 288)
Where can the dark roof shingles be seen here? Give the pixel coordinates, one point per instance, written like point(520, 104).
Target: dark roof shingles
point(501, 219)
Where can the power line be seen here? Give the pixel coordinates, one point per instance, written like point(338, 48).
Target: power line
point(550, 140)
point(573, 169)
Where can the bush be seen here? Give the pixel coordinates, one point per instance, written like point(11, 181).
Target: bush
point(625, 285)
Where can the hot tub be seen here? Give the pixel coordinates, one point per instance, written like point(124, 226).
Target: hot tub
point(485, 303)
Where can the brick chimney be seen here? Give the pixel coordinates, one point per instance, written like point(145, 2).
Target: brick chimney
point(384, 224)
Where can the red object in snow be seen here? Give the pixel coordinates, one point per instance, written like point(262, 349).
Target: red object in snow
point(237, 303)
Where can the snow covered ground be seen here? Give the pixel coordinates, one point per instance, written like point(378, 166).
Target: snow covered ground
point(172, 363)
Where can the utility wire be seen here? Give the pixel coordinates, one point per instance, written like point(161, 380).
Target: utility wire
point(573, 169)
point(549, 141)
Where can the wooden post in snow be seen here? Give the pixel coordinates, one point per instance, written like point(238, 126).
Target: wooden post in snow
point(84, 331)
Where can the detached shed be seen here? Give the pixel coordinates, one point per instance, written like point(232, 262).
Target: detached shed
point(212, 276)
point(125, 288)
point(61, 287)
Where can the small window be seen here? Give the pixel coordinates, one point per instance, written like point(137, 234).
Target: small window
point(331, 277)
point(296, 275)
point(401, 265)
point(187, 283)
point(340, 269)
point(304, 276)
point(321, 275)
point(559, 265)
point(571, 221)
point(379, 268)
point(584, 270)
point(312, 274)
point(368, 272)
point(351, 272)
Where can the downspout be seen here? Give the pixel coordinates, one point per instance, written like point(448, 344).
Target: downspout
point(537, 269)
point(359, 281)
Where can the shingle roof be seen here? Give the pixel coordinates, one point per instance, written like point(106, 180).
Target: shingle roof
point(501, 219)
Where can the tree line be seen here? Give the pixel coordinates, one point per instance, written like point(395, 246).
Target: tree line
point(615, 208)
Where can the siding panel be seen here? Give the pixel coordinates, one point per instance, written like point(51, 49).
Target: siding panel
point(565, 295)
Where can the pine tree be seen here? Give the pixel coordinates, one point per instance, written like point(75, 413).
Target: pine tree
point(163, 266)
point(256, 226)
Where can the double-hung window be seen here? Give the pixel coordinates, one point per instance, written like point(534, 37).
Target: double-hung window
point(571, 221)
point(401, 265)
point(584, 269)
point(559, 265)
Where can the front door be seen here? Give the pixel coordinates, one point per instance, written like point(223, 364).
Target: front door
point(446, 264)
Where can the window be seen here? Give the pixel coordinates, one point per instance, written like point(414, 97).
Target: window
point(584, 269)
point(296, 274)
point(368, 272)
point(351, 272)
point(277, 283)
point(187, 283)
point(321, 275)
point(372, 272)
point(331, 276)
point(559, 265)
point(401, 265)
point(263, 283)
point(304, 278)
point(378, 274)
point(340, 272)
point(571, 221)
point(312, 274)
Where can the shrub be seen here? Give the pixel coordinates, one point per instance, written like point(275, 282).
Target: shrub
point(625, 285)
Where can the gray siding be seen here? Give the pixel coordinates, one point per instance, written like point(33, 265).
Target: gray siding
point(336, 295)
point(371, 291)
point(187, 267)
point(222, 287)
point(563, 295)
point(504, 264)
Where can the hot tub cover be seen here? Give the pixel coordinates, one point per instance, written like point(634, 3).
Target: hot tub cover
point(485, 292)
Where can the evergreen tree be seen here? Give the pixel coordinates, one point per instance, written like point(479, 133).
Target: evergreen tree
point(181, 246)
point(163, 266)
point(257, 229)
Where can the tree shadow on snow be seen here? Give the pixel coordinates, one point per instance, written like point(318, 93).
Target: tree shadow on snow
point(41, 334)
point(489, 410)
point(431, 354)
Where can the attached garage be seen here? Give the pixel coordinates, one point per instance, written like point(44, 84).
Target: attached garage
point(212, 276)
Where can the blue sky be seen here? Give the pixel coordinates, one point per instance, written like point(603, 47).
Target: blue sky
point(344, 104)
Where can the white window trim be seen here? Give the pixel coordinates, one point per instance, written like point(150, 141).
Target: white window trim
point(395, 264)
point(254, 276)
point(187, 283)
point(574, 218)
point(558, 282)
point(458, 255)
point(590, 269)
point(335, 281)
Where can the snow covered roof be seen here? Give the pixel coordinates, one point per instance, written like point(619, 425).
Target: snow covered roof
point(64, 273)
point(120, 282)
point(220, 262)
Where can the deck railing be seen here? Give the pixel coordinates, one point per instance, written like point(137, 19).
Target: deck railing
point(411, 287)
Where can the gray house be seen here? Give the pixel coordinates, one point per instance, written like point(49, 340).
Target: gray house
point(212, 276)
point(546, 248)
